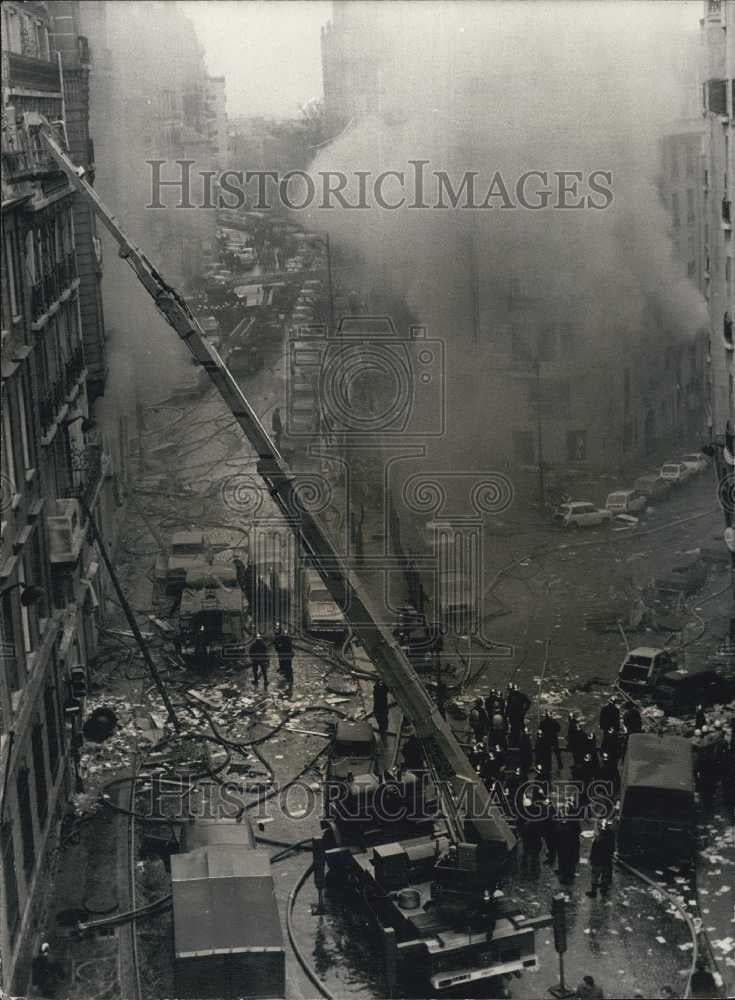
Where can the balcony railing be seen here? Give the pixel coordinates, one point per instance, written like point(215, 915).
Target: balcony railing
point(25, 157)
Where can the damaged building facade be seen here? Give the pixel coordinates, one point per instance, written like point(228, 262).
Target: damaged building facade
point(55, 463)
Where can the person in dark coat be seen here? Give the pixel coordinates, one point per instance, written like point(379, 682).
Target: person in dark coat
point(611, 744)
point(380, 706)
point(525, 755)
point(601, 860)
point(529, 829)
point(47, 972)
point(479, 720)
point(632, 720)
point(609, 773)
point(550, 727)
point(516, 705)
point(700, 717)
point(568, 843)
point(284, 649)
point(259, 659)
point(542, 756)
point(585, 773)
point(574, 738)
point(549, 832)
point(498, 733)
point(702, 985)
point(494, 704)
point(609, 716)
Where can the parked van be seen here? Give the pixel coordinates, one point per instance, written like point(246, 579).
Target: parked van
point(657, 803)
point(626, 502)
point(643, 667)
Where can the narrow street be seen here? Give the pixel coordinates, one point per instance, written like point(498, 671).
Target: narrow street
point(367, 550)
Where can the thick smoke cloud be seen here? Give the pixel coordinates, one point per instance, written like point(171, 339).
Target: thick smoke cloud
point(513, 87)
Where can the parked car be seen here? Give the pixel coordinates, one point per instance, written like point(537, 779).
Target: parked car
point(695, 462)
point(643, 667)
point(626, 502)
point(581, 513)
point(675, 472)
point(653, 486)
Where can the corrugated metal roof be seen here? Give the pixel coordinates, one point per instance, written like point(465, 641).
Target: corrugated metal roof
point(223, 902)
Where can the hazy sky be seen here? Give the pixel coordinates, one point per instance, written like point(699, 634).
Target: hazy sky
point(269, 51)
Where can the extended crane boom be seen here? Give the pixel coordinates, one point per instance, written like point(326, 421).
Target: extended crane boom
point(455, 778)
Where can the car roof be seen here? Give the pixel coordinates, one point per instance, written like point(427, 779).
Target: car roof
point(620, 493)
point(646, 651)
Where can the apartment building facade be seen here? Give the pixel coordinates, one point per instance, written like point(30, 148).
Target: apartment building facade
point(150, 109)
point(718, 185)
point(55, 467)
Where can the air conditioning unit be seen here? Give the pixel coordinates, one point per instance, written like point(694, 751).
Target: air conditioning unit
point(64, 531)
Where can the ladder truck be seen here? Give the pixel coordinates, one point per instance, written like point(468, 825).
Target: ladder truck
point(469, 859)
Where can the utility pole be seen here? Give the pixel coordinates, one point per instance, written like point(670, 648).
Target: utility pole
point(128, 611)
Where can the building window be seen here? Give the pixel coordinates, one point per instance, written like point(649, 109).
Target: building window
point(576, 446)
point(52, 730)
point(626, 390)
point(675, 210)
point(26, 821)
point(715, 94)
point(690, 205)
point(12, 910)
point(39, 770)
point(689, 161)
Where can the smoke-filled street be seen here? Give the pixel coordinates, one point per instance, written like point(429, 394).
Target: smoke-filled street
point(368, 618)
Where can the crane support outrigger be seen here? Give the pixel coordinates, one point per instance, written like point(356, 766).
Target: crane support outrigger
point(483, 841)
